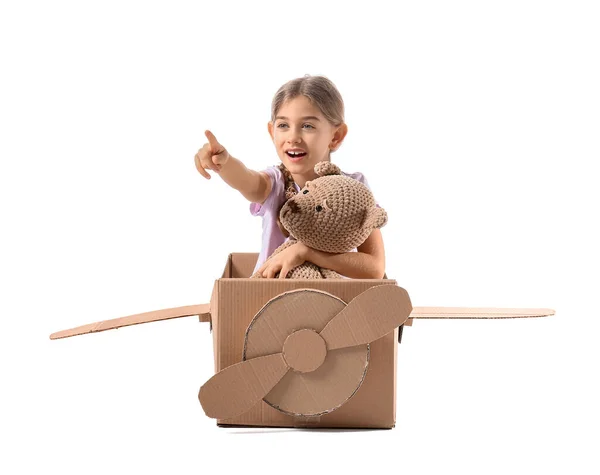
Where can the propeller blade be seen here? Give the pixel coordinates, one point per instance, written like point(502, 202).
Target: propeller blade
point(168, 313)
point(369, 316)
point(239, 387)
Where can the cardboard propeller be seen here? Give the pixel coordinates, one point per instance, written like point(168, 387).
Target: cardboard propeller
point(312, 343)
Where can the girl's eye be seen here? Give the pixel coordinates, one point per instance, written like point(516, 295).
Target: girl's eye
point(304, 192)
point(281, 126)
point(318, 208)
point(308, 126)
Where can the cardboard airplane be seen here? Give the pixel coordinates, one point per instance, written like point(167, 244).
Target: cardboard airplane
point(303, 353)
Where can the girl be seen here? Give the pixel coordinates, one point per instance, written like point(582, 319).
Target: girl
point(307, 124)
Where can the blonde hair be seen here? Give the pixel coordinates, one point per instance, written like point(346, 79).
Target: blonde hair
point(323, 94)
point(319, 90)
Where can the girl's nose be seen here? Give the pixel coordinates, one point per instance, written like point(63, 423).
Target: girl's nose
point(294, 136)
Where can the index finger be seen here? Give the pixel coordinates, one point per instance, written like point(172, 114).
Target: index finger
point(212, 141)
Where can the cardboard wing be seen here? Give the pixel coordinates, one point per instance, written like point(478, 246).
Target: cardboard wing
point(204, 315)
point(202, 310)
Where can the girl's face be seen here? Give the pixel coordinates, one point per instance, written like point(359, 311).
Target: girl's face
point(303, 136)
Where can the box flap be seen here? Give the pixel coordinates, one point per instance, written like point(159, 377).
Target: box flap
point(242, 264)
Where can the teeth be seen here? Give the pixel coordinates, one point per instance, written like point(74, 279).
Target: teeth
point(294, 154)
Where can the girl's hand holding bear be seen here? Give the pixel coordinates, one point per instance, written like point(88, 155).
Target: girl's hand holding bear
point(284, 261)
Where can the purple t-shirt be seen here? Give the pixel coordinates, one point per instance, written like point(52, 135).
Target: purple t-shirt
point(272, 237)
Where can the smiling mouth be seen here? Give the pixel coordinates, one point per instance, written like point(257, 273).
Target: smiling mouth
point(296, 156)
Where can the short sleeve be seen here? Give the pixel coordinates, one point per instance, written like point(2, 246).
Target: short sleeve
point(274, 198)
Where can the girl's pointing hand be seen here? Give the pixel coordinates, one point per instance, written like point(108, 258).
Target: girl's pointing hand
point(212, 156)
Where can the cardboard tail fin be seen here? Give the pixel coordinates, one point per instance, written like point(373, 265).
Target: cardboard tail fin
point(202, 310)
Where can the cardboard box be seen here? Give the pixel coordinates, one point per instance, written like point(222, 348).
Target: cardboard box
point(235, 301)
point(348, 387)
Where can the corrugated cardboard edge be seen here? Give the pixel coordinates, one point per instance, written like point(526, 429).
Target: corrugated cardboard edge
point(203, 310)
point(479, 313)
point(306, 423)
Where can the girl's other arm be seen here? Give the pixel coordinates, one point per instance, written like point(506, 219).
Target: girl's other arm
point(367, 263)
point(254, 186)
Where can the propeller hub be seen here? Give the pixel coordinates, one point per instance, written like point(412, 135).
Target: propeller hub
point(304, 350)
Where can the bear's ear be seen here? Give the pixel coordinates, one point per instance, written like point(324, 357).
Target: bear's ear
point(376, 218)
point(327, 168)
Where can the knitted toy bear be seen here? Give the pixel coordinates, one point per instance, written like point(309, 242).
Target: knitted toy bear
point(332, 213)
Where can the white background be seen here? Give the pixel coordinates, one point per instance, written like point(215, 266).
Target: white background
point(476, 124)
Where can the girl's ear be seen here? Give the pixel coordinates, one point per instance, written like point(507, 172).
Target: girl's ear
point(270, 127)
point(338, 137)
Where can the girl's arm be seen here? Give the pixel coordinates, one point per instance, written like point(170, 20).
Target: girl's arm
point(254, 186)
point(367, 263)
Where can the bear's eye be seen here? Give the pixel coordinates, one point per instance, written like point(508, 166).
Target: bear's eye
point(318, 208)
point(304, 192)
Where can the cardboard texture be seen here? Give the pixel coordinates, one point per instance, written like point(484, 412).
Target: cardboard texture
point(303, 353)
point(241, 299)
point(325, 348)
